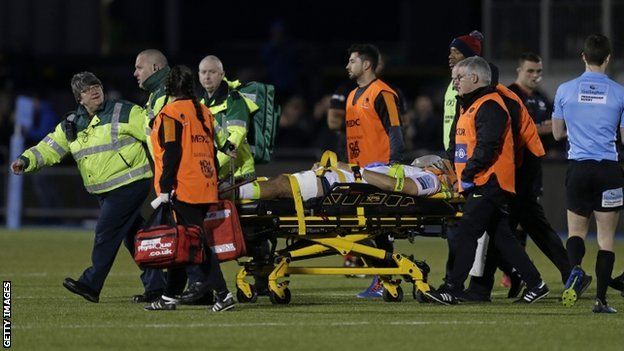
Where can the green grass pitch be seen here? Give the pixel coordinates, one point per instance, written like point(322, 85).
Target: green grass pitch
point(323, 314)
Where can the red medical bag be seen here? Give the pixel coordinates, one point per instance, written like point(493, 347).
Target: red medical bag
point(168, 244)
point(224, 235)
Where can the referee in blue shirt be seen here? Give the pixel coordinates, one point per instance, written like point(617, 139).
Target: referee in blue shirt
point(588, 111)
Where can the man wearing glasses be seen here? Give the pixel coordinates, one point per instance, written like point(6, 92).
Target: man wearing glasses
point(484, 164)
point(106, 138)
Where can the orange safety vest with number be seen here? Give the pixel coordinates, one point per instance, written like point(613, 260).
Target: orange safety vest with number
point(196, 179)
point(466, 140)
point(367, 140)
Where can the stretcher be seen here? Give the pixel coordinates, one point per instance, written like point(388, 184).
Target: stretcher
point(341, 223)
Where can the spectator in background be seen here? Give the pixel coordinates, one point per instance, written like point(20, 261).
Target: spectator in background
point(43, 122)
point(324, 138)
point(282, 61)
point(6, 121)
point(293, 125)
point(423, 132)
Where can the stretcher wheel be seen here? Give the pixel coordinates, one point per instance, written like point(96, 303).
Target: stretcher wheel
point(276, 300)
point(242, 298)
point(389, 298)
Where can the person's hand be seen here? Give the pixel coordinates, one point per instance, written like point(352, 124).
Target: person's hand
point(164, 197)
point(17, 167)
point(467, 186)
point(232, 153)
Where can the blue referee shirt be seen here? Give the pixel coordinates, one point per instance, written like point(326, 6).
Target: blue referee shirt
point(592, 107)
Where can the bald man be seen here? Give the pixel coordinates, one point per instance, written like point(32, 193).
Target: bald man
point(151, 69)
point(233, 111)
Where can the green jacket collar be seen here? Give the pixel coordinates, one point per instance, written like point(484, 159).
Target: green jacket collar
point(82, 116)
point(156, 80)
point(81, 111)
point(219, 95)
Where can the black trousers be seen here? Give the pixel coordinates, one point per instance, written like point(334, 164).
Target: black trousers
point(487, 210)
point(210, 269)
point(529, 213)
point(120, 219)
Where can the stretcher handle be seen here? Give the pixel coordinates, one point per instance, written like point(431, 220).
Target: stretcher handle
point(329, 159)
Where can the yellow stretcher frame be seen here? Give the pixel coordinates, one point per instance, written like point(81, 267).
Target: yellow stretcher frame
point(279, 290)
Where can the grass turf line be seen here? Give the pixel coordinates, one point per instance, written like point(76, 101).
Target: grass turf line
point(323, 314)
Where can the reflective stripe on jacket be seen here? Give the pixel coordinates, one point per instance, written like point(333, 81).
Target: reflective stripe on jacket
point(450, 105)
point(108, 149)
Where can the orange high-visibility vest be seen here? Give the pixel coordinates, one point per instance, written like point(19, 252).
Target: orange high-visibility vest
point(466, 140)
point(367, 140)
point(196, 179)
point(528, 136)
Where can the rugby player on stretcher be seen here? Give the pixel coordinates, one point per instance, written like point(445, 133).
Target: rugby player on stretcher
point(426, 176)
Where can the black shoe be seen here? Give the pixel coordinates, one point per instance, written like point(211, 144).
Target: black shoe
point(471, 296)
point(223, 305)
point(81, 289)
point(617, 283)
point(585, 282)
point(208, 299)
point(600, 307)
point(449, 288)
point(534, 294)
point(148, 296)
point(444, 298)
point(163, 303)
point(516, 285)
point(195, 292)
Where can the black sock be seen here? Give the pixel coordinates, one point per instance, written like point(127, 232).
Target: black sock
point(576, 250)
point(604, 268)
